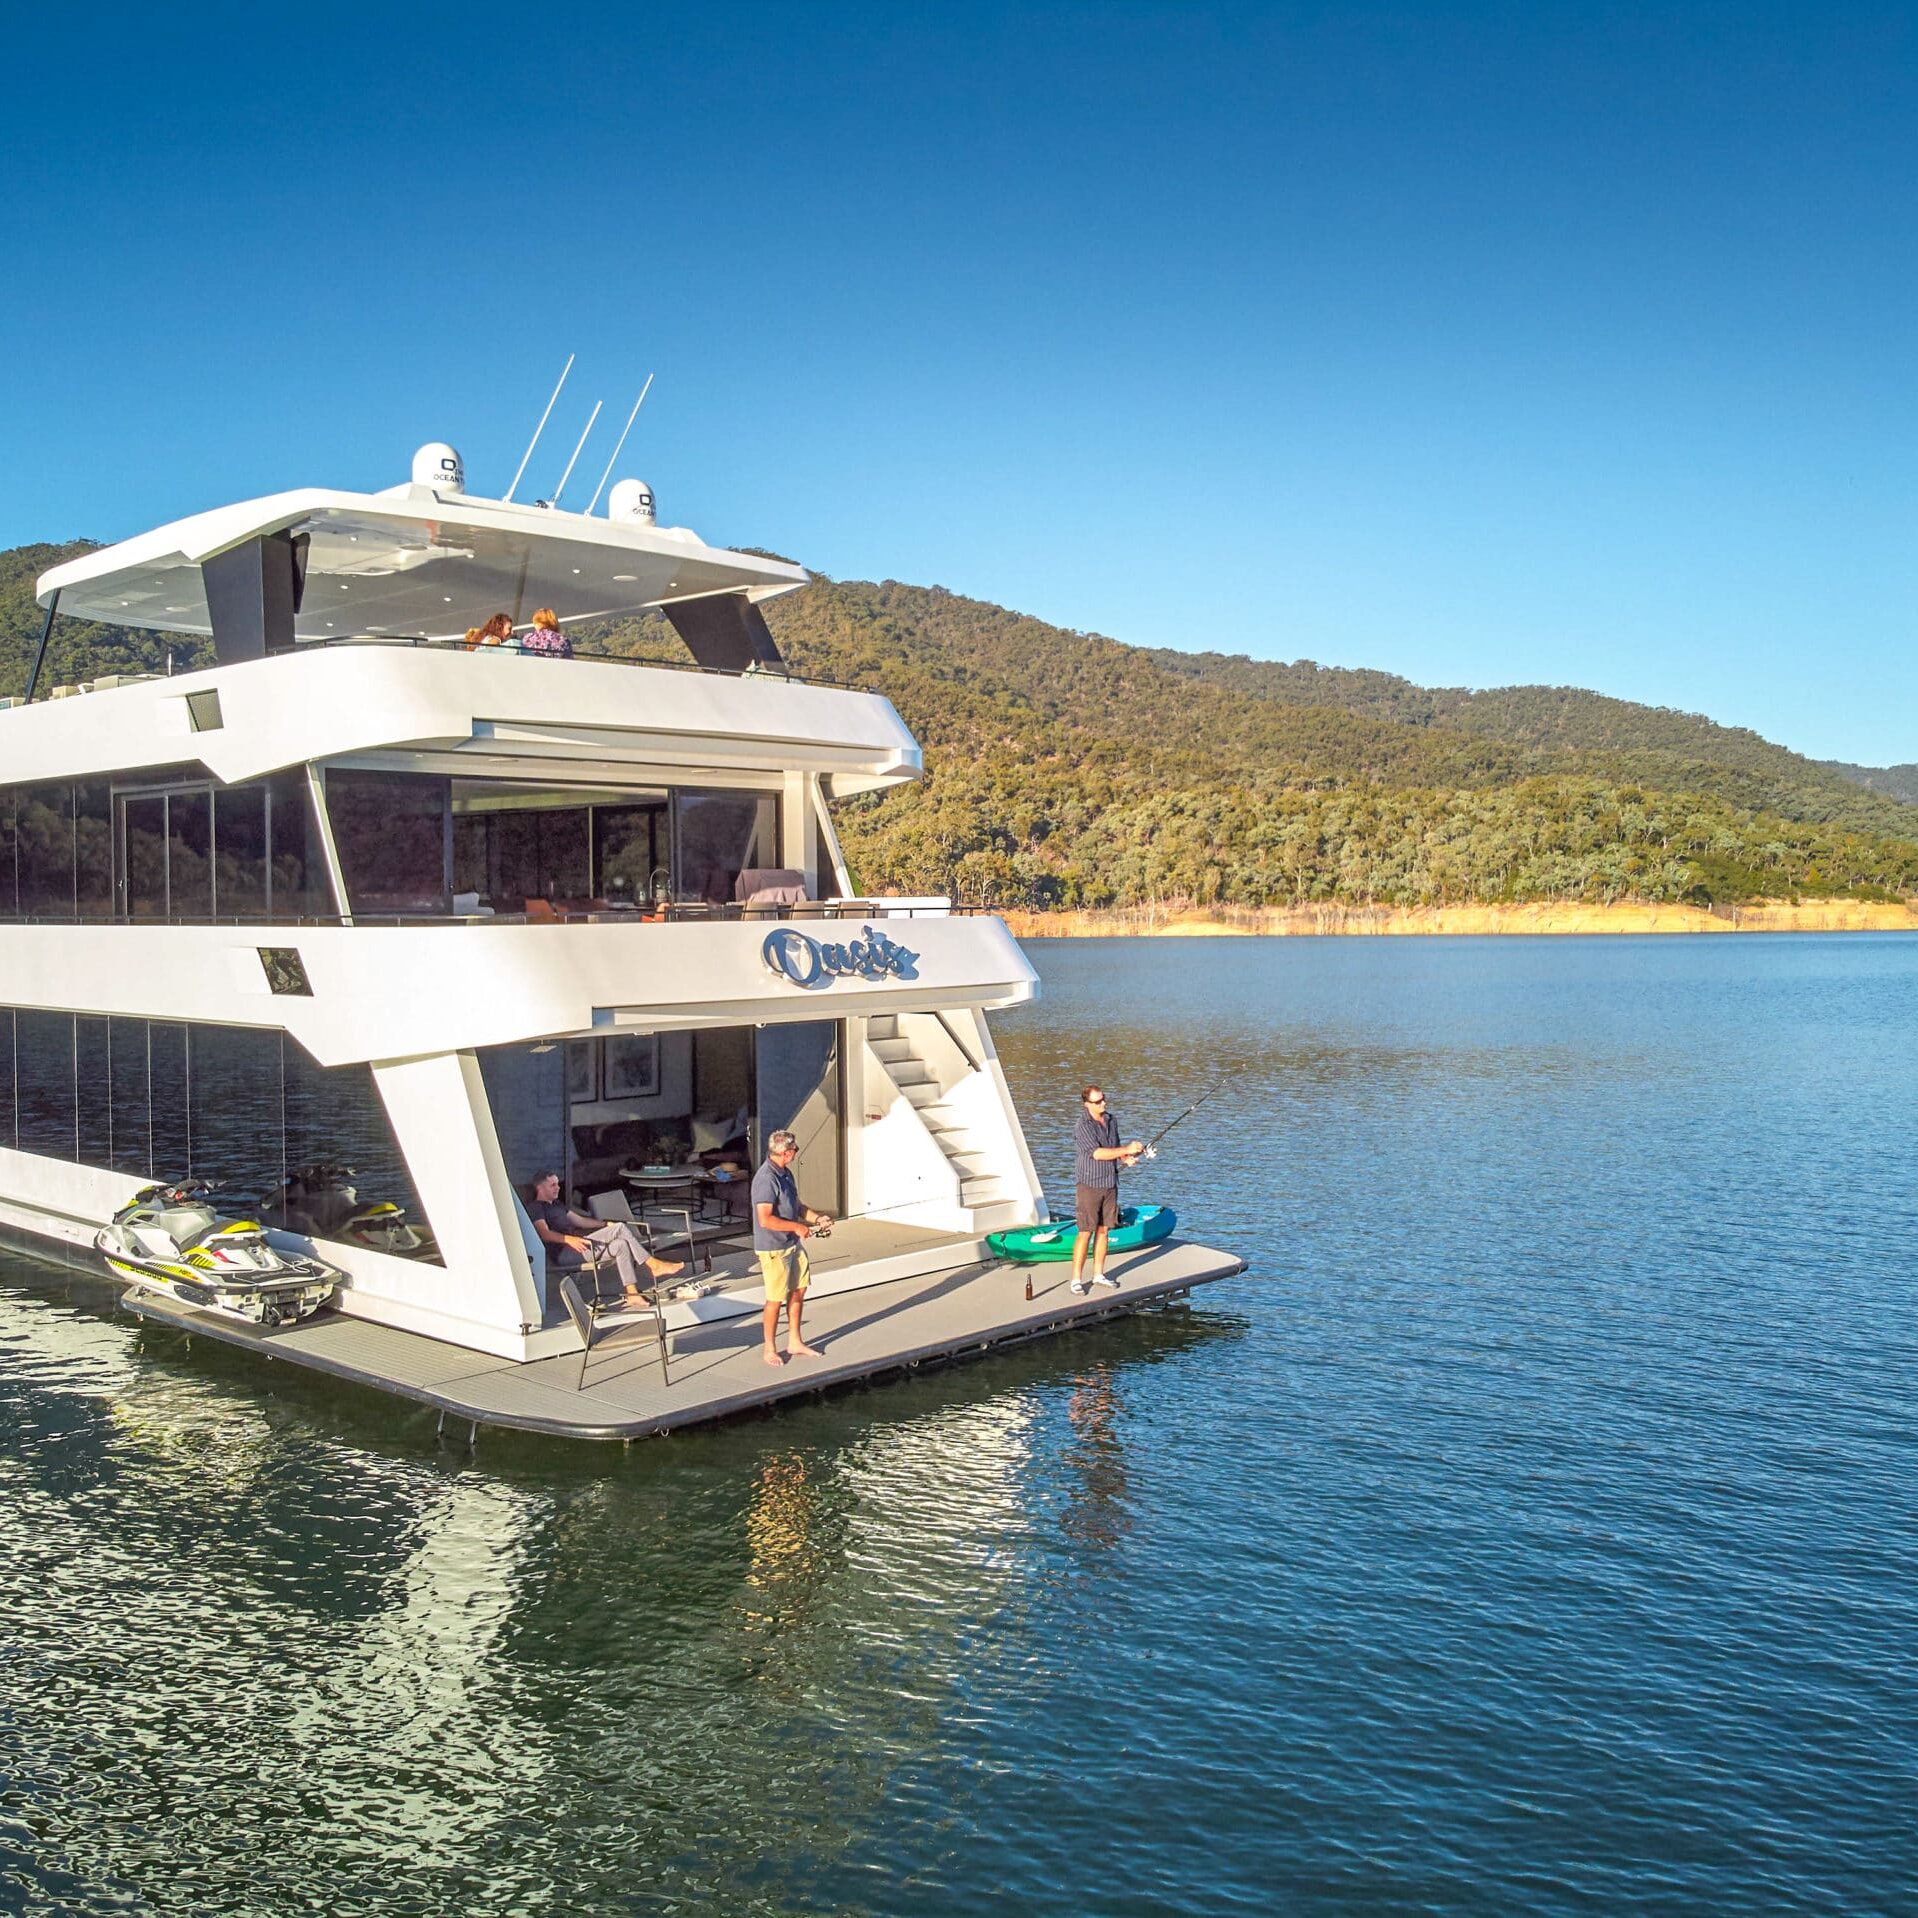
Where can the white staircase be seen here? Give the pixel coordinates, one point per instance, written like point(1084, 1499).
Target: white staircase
point(969, 1154)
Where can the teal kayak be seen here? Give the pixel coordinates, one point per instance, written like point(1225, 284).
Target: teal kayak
point(1030, 1244)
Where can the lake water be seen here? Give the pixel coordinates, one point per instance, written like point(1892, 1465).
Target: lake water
point(1536, 1530)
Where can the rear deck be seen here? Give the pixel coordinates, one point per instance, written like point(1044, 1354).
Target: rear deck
point(716, 1369)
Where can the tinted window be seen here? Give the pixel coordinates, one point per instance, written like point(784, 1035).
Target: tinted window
point(339, 1136)
point(721, 834)
point(391, 833)
point(129, 1074)
point(9, 891)
point(513, 859)
point(44, 1061)
point(93, 849)
point(7, 1087)
point(300, 887)
point(470, 872)
point(93, 1093)
point(565, 852)
point(189, 819)
point(239, 820)
point(234, 1076)
point(168, 1115)
point(629, 847)
point(143, 852)
point(45, 836)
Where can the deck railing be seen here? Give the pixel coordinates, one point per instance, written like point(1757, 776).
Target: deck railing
point(812, 909)
point(658, 663)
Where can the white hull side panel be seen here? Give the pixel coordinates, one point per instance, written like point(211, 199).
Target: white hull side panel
point(400, 992)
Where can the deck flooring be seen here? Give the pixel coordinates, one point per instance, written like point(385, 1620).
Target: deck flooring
point(716, 1370)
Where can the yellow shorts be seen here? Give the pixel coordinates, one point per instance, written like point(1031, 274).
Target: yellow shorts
point(786, 1271)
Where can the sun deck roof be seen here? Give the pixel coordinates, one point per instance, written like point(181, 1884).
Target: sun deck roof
point(411, 562)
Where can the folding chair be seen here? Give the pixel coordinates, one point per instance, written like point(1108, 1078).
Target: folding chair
point(586, 1322)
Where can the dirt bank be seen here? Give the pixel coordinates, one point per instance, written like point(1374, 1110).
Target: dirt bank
point(1153, 922)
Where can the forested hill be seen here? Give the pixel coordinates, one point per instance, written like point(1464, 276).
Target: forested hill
point(1901, 782)
point(1068, 769)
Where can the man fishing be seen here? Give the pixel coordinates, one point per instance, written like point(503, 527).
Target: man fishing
point(1098, 1153)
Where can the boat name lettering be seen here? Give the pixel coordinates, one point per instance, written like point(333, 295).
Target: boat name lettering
point(809, 962)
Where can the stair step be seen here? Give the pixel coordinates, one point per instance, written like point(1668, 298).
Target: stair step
point(911, 1072)
point(883, 1025)
point(971, 1165)
point(921, 1095)
point(892, 1050)
point(978, 1192)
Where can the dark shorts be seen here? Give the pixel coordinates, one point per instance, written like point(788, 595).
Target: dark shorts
point(1095, 1206)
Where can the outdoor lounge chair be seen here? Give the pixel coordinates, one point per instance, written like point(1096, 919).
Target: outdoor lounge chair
point(586, 1321)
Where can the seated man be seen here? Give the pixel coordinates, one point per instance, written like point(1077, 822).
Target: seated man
point(566, 1234)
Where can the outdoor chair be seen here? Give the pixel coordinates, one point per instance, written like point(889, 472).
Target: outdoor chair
point(586, 1321)
point(616, 1206)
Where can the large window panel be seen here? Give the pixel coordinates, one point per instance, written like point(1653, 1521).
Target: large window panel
point(565, 852)
point(129, 1078)
point(189, 821)
point(721, 834)
point(93, 850)
point(93, 1092)
point(239, 838)
point(629, 848)
point(44, 830)
point(9, 883)
point(44, 1046)
point(391, 831)
point(338, 1135)
point(513, 860)
point(143, 854)
point(9, 1085)
point(169, 1115)
point(234, 1100)
point(301, 889)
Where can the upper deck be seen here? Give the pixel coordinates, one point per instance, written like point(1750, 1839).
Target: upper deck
point(337, 619)
point(325, 702)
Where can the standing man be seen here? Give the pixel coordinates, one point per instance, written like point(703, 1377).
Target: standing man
point(781, 1227)
point(1098, 1154)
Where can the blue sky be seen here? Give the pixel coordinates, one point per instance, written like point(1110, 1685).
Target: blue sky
point(1481, 344)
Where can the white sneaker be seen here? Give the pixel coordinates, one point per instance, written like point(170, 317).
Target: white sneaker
point(1079, 1288)
point(1101, 1278)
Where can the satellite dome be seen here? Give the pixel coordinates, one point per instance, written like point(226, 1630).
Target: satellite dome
point(438, 466)
point(631, 499)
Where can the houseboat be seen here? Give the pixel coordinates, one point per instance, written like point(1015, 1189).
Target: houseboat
point(359, 930)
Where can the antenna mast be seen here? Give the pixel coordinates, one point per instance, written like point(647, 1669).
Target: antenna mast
point(538, 430)
point(614, 461)
point(580, 448)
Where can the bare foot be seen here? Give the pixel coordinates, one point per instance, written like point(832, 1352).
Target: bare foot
point(805, 1351)
point(635, 1298)
point(774, 1358)
point(665, 1268)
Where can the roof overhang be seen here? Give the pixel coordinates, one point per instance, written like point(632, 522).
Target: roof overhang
point(411, 563)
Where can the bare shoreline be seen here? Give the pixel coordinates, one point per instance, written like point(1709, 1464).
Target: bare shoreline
point(1194, 922)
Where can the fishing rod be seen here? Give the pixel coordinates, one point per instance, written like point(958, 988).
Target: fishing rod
point(1151, 1146)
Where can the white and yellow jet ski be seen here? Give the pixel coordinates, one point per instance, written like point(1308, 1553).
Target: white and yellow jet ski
point(170, 1239)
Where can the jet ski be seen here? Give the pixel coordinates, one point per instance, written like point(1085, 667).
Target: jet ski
point(171, 1239)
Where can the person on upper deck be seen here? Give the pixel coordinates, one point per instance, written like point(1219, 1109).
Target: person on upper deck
point(1098, 1153)
point(498, 631)
point(543, 639)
